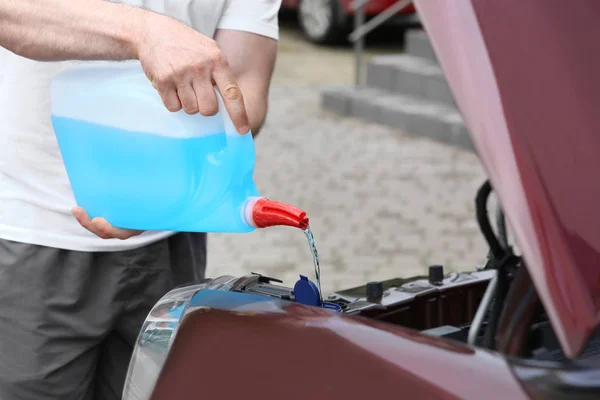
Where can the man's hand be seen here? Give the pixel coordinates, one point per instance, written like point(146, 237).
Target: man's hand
point(183, 65)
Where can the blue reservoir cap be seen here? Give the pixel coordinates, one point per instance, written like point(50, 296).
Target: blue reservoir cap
point(306, 292)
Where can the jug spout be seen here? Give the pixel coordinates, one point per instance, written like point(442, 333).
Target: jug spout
point(260, 212)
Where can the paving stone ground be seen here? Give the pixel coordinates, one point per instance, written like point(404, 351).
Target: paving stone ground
point(382, 203)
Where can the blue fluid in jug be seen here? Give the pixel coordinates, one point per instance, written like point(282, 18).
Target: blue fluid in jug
point(145, 181)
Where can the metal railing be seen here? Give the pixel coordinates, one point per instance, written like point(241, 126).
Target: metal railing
point(362, 28)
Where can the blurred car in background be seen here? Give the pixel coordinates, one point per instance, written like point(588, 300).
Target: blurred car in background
point(330, 21)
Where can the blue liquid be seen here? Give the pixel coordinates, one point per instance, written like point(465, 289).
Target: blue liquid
point(313, 248)
point(145, 181)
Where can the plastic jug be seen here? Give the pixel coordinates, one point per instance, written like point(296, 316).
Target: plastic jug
point(140, 166)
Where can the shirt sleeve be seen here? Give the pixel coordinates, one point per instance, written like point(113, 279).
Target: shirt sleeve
point(255, 16)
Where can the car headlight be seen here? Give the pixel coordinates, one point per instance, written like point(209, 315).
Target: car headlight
point(156, 336)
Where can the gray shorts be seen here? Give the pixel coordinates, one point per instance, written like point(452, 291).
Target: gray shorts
point(69, 320)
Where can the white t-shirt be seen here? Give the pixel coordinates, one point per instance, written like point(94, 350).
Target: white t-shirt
point(35, 195)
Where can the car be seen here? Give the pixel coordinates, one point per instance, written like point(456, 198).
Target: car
point(523, 325)
point(330, 21)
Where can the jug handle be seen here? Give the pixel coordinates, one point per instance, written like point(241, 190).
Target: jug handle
point(231, 134)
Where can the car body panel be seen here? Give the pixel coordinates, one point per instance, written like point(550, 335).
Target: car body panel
point(525, 77)
point(241, 345)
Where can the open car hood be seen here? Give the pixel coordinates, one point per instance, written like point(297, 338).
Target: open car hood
point(526, 78)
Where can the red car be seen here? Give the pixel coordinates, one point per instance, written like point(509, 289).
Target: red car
point(330, 21)
point(524, 325)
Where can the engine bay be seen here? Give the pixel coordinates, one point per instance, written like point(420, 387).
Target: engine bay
point(439, 304)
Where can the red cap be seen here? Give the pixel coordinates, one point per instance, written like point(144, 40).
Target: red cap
point(267, 212)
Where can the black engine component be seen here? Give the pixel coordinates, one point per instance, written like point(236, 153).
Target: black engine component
point(417, 303)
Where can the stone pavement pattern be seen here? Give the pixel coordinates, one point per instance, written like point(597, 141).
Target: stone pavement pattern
point(382, 203)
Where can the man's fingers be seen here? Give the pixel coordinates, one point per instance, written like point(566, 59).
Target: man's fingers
point(101, 227)
point(232, 97)
point(187, 98)
point(82, 217)
point(85, 221)
point(107, 230)
point(170, 99)
point(206, 97)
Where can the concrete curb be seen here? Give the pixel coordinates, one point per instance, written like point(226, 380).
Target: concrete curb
point(438, 122)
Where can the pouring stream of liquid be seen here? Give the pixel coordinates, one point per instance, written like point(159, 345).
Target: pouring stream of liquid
point(313, 249)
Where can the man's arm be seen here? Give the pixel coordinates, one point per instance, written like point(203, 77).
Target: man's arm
point(181, 62)
point(52, 30)
point(252, 60)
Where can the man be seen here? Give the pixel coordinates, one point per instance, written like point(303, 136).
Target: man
point(73, 291)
